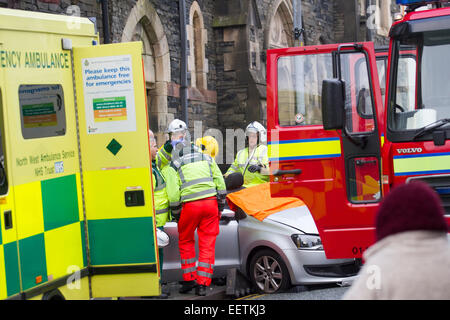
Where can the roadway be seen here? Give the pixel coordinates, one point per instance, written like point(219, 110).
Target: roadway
point(218, 292)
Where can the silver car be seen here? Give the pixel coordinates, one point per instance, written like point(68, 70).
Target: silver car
point(282, 250)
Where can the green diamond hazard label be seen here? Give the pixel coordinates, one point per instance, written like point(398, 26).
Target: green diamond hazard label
point(114, 146)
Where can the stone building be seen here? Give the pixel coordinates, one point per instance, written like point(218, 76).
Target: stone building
point(226, 44)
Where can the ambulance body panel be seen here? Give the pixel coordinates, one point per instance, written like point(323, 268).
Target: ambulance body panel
point(46, 206)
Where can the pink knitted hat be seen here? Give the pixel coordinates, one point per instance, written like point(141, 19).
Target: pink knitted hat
point(412, 206)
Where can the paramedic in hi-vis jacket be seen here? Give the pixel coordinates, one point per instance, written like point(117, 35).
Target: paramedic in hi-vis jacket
point(197, 192)
point(252, 161)
point(162, 211)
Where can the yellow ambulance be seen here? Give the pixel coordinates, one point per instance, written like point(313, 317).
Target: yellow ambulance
point(76, 203)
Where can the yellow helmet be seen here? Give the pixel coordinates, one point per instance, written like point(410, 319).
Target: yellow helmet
point(208, 145)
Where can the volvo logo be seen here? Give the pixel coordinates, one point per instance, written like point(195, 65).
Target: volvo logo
point(409, 150)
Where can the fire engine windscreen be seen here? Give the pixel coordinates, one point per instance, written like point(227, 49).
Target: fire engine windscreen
point(427, 69)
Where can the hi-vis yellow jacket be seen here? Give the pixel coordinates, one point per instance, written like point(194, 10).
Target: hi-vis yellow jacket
point(242, 163)
point(193, 176)
point(162, 214)
point(164, 155)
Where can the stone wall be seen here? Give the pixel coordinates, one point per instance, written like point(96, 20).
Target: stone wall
point(381, 40)
point(242, 37)
point(234, 70)
point(352, 17)
point(202, 104)
point(235, 37)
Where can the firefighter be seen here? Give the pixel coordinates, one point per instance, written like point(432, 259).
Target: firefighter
point(208, 145)
point(252, 161)
point(197, 192)
point(177, 130)
point(161, 201)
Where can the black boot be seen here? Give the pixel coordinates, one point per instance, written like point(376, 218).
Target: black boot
point(165, 290)
point(162, 296)
point(200, 290)
point(187, 286)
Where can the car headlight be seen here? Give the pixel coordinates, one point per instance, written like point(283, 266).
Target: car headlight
point(307, 242)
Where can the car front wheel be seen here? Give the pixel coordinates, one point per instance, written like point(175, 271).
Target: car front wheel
point(268, 272)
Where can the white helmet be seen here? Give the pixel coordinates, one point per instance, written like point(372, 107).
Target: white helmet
point(176, 126)
point(257, 127)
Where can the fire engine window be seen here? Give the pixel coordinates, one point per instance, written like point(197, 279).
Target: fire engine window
point(382, 68)
point(358, 101)
point(42, 111)
point(3, 177)
point(364, 181)
point(300, 88)
point(406, 86)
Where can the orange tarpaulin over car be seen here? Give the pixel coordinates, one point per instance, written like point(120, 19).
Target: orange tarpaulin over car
point(257, 202)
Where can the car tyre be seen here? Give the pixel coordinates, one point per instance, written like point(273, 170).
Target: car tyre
point(268, 272)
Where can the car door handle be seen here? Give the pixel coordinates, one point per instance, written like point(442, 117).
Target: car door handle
point(283, 172)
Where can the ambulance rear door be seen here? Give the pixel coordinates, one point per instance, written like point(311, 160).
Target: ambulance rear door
point(335, 172)
point(116, 170)
point(10, 285)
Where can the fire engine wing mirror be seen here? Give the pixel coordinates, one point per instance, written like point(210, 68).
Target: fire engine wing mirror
point(333, 93)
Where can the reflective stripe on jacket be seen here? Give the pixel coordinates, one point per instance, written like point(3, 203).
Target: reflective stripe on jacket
point(163, 157)
point(160, 196)
point(260, 157)
point(193, 176)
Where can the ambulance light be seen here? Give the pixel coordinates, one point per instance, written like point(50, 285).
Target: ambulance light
point(66, 43)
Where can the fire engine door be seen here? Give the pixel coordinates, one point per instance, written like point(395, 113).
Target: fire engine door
point(336, 172)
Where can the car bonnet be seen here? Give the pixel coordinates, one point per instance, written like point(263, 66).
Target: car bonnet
point(299, 218)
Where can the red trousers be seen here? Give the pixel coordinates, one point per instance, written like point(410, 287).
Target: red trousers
point(201, 215)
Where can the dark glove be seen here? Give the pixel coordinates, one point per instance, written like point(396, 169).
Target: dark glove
point(168, 146)
point(221, 202)
point(175, 212)
point(254, 168)
point(221, 206)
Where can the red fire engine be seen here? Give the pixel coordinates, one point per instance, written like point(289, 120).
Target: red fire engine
point(339, 142)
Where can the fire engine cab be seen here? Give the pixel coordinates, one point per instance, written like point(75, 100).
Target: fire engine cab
point(340, 143)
